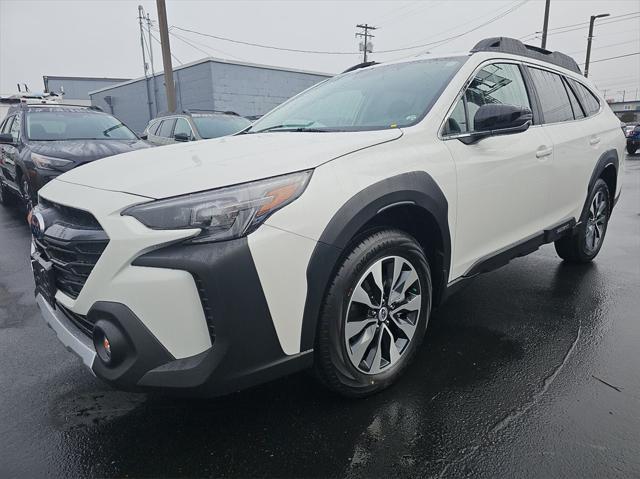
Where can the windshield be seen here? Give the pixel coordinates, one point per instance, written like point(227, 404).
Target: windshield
point(384, 97)
point(75, 124)
point(213, 126)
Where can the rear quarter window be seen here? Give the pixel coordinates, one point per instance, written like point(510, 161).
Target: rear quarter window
point(589, 101)
point(554, 100)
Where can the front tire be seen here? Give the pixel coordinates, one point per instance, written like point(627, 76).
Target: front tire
point(374, 315)
point(585, 243)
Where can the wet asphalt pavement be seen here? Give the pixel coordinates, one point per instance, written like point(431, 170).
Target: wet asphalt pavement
point(532, 371)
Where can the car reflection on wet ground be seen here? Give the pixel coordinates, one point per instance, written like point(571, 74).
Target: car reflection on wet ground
point(533, 371)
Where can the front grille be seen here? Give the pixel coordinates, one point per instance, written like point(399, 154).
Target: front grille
point(80, 321)
point(73, 242)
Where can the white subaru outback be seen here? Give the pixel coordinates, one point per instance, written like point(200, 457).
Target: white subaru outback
point(327, 232)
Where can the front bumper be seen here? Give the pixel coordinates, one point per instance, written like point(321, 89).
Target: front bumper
point(190, 318)
point(68, 334)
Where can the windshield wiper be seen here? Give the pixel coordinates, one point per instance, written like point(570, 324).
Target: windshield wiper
point(292, 127)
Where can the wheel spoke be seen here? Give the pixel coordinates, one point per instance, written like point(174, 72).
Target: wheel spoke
point(394, 354)
point(361, 296)
point(376, 365)
point(353, 328)
point(407, 328)
point(413, 304)
point(398, 263)
point(376, 272)
point(360, 347)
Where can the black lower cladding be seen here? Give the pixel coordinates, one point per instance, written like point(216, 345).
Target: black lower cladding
point(246, 349)
point(138, 349)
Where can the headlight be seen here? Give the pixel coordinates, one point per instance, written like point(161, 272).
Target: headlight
point(224, 213)
point(48, 162)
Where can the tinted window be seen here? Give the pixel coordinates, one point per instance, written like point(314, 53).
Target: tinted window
point(575, 104)
point(15, 128)
point(553, 96)
point(166, 128)
point(6, 126)
point(182, 126)
point(386, 96)
point(153, 128)
point(588, 99)
point(74, 124)
point(498, 83)
point(214, 126)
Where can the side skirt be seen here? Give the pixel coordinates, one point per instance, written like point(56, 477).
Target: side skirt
point(504, 256)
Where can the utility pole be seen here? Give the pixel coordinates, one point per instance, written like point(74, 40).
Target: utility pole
point(589, 38)
point(145, 66)
point(545, 26)
point(366, 27)
point(166, 55)
point(624, 92)
point(153, 69)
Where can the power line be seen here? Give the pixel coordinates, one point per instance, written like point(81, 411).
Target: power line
point(606, 46)
point(613, 58)
point(582, 25)
point(259, 45)
point(172, 55)
point(324, 52)
point(487, 14)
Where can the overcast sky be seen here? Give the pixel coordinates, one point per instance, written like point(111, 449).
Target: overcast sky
point(101, 38)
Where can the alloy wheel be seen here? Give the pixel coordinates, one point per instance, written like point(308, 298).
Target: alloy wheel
point(383, 314)
point(597, 221)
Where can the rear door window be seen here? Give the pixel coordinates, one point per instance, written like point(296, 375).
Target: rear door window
point(166, 128)
point(555, 103)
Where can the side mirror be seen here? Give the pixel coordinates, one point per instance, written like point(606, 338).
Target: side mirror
point(498, 119)
point(181, 137)
point(6, 139)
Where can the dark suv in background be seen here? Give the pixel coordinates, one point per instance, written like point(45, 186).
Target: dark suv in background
point(41, 141)
point(633, 140)
point(192, 125)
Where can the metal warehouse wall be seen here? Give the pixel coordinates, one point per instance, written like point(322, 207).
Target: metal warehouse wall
point(208, 84)
point(78, 88)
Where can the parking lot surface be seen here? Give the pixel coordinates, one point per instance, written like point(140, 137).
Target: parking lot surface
point(532, 371)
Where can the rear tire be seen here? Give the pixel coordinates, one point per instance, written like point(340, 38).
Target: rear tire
point(584, 244)
point(368, 335)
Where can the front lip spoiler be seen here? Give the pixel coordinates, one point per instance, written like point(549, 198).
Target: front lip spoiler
point(73, 339)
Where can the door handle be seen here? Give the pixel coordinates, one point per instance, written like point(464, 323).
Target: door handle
point(542, 152)
point(594, 141)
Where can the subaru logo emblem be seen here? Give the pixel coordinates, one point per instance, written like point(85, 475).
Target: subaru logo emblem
point(36, 222)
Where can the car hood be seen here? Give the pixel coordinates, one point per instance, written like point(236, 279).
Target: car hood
point(197, 166)
point(84, 151)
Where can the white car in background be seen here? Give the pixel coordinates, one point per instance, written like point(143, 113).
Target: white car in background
point(327, 232)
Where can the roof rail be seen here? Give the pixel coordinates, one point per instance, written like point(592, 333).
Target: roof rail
point(516, 47)
point(359, 66)
point(204, 110)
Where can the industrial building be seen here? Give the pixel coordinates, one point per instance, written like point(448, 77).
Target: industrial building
point(627, 111)
point(208, 84)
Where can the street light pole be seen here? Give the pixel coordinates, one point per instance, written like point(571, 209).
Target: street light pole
point(589, 38)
